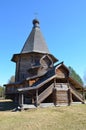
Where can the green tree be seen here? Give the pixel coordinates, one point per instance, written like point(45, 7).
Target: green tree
point(1, 91)
point(74, 75)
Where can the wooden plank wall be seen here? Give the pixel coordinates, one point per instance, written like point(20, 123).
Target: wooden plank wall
point(24, 63)
point(61, 72)
point(60, 95)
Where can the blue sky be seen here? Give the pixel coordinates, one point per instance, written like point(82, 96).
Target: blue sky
point(62, 22)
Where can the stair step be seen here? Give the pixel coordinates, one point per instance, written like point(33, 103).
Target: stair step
point(45, 93)
point(46, 105)
point(27, 106)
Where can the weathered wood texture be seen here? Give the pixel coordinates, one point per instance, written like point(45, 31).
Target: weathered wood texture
point(60, 94)
point(24, 63)
point(77, 95)
point(45, 93)
point(21, 99)
point(13, 88)
point(62, 72)
point(60, 97)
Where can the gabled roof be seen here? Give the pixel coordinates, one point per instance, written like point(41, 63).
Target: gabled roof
point(35, 41)
point(61, 65)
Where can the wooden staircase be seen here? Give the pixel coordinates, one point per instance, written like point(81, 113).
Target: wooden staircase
point(77, 94)
point(45, 93)
point(42, 94)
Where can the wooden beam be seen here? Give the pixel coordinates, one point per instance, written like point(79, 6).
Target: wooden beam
point(54, 82)
point(36, 97)
point(83, 94)
point(69, 97)
point(21, 99)
point(37, 86)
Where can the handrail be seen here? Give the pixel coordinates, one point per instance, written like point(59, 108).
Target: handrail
point(76, 91)
point(39, 85)
point(45, 93)
point(80, 97)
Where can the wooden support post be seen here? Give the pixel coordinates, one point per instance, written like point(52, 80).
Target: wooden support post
point(21, 99)
point(54, 82)
point(69, 97)
point(36, 97)
point(83, 93)
point(69, 93)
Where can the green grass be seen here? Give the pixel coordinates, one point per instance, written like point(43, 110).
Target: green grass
point(54, 118)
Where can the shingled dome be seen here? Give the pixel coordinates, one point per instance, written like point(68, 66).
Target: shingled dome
point(35, 41)
point(35, 21)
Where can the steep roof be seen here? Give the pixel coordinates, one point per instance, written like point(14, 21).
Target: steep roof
point(35, 41)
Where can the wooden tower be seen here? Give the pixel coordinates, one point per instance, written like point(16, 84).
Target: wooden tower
point(35, 58)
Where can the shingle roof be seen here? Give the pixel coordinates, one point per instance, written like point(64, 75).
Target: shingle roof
point(35, 41)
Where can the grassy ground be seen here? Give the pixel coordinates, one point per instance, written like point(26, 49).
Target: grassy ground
point(54, 118)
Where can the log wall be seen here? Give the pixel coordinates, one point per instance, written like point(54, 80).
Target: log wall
point(24, 63)
point(60, 95)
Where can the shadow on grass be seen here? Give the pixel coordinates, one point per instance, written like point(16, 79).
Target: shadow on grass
point(7, 105)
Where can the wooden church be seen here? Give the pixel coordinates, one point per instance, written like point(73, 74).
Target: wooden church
point(37, 79)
